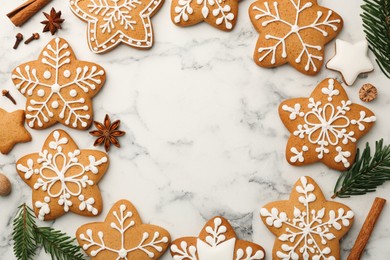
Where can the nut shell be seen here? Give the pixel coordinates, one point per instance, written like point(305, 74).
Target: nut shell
point(5, 185)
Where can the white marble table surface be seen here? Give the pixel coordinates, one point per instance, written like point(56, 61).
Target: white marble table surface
point(203, 134)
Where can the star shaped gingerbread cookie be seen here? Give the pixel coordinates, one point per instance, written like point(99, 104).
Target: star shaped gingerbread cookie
point(294, 32)
point(307, 226)
point(217, 240)
point(324, 127)
point(63, 178)
point(111, 22)
point(58, 87)
point(12, 130)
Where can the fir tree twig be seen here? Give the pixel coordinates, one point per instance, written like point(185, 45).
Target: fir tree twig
point(376, 23)
point(367, 173)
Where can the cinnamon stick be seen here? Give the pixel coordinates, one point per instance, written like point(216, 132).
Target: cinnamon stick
point(367, 228)
point(25, 11)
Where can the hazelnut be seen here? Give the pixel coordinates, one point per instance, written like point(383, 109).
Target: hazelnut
point(5, 185)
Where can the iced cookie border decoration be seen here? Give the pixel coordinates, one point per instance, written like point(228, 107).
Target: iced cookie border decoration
point(123, 236)
point(324, 127)
point(217, 240)
point(307, 226)
point(111, 22)
point(295, 39)
point(58, 87)
point(219, 14)
point(63, 178)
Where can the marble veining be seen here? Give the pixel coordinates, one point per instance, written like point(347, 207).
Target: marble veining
point(203, 134)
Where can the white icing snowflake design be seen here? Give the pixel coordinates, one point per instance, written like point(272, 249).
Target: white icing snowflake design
point(111, 22)
point(64, 176)
point(120, 223)
point(278, 31)
point(216, 245)
point(307, 229)
point(219, 13)
point(58, 87)
point(328, 123)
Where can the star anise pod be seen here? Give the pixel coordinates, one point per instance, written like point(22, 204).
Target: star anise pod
point(107, 133)
point(53, 21)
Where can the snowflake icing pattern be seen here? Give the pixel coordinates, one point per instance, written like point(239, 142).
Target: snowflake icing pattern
point(63, 176)
point(215, 245)
point(111, 22)
point(327, 124)
point(287, 39)
point(58, 87)
point(121, 221)
point(306, 230)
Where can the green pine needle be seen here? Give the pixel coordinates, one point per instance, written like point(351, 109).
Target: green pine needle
point(28, 237)
point(367, 173)
point(23, 233)
point(376, 23)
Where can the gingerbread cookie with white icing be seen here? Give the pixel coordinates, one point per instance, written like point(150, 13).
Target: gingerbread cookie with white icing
point(112, 22)
point(307, 226)
point(294, 32)
point(64, 178)
point(217, 240)
point(122, 235)
point(324, 127)
point(219, 14)
point(58, 87)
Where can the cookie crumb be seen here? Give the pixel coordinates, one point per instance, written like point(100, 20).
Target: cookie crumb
point(368, 92)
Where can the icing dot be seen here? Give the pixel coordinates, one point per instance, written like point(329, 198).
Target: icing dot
point(73, 93)
point(55, 88)
point(113, 40)
point(122, 253)
point(47, 74)
point(67, 73)
point(121, 36)
point(41, 93)
point(54, 104)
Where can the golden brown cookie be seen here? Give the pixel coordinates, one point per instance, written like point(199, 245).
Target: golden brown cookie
point(217, 240)
point(12, 130)
point(64, 178)
point(324, 127)
point(307, 226)
point(111, 22)
point(58, 87)
point(294, 32)
point(220, 14)
point(122, 235)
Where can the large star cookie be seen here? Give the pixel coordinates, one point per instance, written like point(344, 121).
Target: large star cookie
point(307, 226)
point(294, 32)
point(12, 130)
point(324, 127)
point(111, 22)
point(58, 87)
point(123, 236)
point(63, 178)
point(221, 14)
point(217, 240)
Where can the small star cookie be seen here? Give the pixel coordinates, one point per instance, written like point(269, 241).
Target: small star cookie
point(122, 235)
point(217, 240)
point(307, 226)
point(111, 22)
point(58, 87)
point(294, 32)
point(63, 178)
point(12, 130)
point(350, 60)
point(221, 14)
point(324, 127)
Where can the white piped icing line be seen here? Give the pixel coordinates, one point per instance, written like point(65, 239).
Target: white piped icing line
point(270, 14)
point(307, 232)
point(215, 246)
point(218, 9)
point(117, 20)
point(326, 125)
point(52, 92)
point(123, 223)
point(51, 170)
